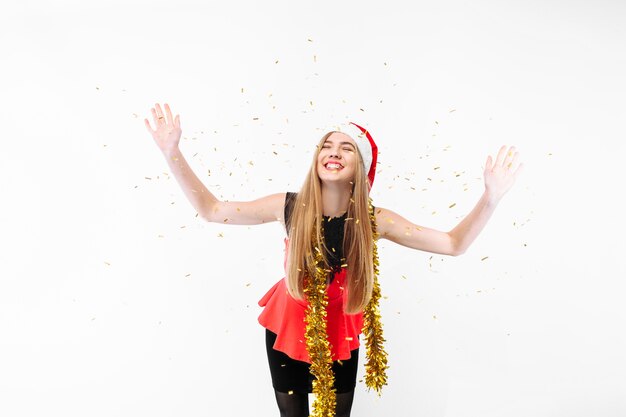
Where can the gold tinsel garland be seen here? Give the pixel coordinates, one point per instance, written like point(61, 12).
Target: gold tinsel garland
point(376, 365)
point(317, 344)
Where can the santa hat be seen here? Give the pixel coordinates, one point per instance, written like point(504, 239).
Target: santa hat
point(368, 150)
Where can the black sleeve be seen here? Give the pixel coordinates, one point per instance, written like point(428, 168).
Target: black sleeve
point(290, 199)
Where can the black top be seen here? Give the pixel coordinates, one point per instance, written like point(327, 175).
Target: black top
point(333, 232)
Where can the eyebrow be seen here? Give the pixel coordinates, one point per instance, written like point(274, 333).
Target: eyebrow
point(341, 143)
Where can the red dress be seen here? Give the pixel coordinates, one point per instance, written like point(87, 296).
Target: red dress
point(285, 315)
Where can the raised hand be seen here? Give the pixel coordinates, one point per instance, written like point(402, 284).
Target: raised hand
point(500, 177)
point(167, 132)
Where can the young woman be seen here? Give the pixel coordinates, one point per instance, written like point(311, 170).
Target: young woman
point(329, 295)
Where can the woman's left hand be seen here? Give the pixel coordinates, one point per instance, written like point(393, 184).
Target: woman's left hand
point(500, 176)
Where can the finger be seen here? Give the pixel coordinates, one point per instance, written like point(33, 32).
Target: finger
point(160, 118)
point(177, 122)
point(168, 113)
point(147, 123)
point(519, 169)
point(488, 163)
point(155, 116)
point(500, 157)
point(509, 157)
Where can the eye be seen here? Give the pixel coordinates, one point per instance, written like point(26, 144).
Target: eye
point(348, 149)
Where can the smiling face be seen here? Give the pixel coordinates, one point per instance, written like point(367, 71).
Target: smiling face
point(337, 158)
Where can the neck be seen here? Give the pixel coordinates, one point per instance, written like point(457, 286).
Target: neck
point(335, 199)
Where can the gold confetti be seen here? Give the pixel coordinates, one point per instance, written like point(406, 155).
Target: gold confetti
point(187, 275)
point(452, 205)
point(108, 264)
point(220, 234)
point(484, 258)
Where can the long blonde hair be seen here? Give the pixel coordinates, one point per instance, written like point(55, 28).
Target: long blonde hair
point(305, 224)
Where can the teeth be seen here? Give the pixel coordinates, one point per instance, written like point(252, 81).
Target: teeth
point(333, 166)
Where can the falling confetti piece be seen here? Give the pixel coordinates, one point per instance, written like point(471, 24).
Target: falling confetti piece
point(220, 234)
point(453, 110)
point(484, 258)
point(452, 205)
point(108, 264)
point(187, 275)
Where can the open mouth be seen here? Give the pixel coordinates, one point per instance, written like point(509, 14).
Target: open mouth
point(333, 166)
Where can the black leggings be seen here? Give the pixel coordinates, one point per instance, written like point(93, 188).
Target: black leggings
point(292, 375)
point(292, 381)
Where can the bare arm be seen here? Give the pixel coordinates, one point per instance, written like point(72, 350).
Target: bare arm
point(396, 228)
point(167, 136)
point(499, 178)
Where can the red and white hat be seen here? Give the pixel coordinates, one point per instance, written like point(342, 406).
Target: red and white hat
point(369, 152)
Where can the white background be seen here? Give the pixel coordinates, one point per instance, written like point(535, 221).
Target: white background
point(116, 300)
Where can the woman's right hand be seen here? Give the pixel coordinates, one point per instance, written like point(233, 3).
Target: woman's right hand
point(167, 132)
